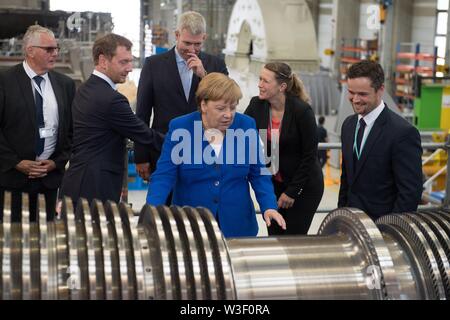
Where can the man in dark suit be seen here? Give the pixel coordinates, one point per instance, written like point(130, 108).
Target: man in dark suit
point(169, 81)
point(381, 152)
point(102, 119)
point(35, 125)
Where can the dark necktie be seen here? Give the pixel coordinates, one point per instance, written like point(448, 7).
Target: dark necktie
point(359, 137)
point(39, 142)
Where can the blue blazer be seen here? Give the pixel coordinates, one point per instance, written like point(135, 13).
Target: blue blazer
point(220, 183)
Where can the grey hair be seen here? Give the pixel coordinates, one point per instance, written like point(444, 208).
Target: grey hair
point(193, 22)
point(33, 33)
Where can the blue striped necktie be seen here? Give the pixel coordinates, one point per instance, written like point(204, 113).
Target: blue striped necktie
point(39, 142)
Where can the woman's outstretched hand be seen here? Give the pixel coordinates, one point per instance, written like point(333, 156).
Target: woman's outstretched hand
point(271, 214)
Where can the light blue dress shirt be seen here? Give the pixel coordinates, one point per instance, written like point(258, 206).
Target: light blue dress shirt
point(185, 74)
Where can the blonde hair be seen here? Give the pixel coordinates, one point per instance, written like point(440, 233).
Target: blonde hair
point(284, 74)
point(193, 22)
point(32, 36)
point(217, 86)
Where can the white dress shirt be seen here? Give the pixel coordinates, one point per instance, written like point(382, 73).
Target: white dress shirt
point(369, 119)
point(106, 78)
point(50, 108)
point(215, 139)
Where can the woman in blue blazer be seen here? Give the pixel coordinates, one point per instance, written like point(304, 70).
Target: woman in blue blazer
point(208, 159)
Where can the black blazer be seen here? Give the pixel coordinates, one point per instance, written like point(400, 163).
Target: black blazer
point(18, 126)
point(102, 119)
point(388, 177)
point(299, 165)
point(161, 92)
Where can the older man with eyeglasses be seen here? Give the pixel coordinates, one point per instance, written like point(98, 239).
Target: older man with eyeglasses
point(35, 125)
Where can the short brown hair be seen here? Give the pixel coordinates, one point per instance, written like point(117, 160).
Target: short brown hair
point(217, 86)
point(108, 44)
point(367, 69)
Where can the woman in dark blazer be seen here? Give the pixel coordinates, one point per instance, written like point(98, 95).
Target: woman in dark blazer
point(282, 109)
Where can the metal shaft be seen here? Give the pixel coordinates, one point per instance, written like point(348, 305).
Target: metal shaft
point(100, 252)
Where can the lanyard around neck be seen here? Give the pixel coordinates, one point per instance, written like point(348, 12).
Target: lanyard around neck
point(38, 88)
point(363, 142)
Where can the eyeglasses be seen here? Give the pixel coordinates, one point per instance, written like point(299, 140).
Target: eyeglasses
point(49, 49)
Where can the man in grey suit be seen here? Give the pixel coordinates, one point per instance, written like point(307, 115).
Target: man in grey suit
point(35, 125)
point(169, 81)
point(102, 119)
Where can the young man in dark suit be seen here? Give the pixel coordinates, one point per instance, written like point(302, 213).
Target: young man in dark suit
point(381, 152)
point(169, 81)
point(102, 119)
point(35, 125)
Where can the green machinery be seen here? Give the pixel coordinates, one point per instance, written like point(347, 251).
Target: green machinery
point(432, 104)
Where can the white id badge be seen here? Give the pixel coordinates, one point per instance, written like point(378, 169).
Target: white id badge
point(46, 132)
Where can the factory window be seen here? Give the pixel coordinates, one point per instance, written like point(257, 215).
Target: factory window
point(442, 23)
point(442, 5)
point(440, 40)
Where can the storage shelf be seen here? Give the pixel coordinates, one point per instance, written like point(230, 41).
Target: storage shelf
point(350, 60)
point(409, 69)
point(426, 57)
point(401, 81)
point(418, 57)
point(354, 51)
point(404, 95)
point(411, 63)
